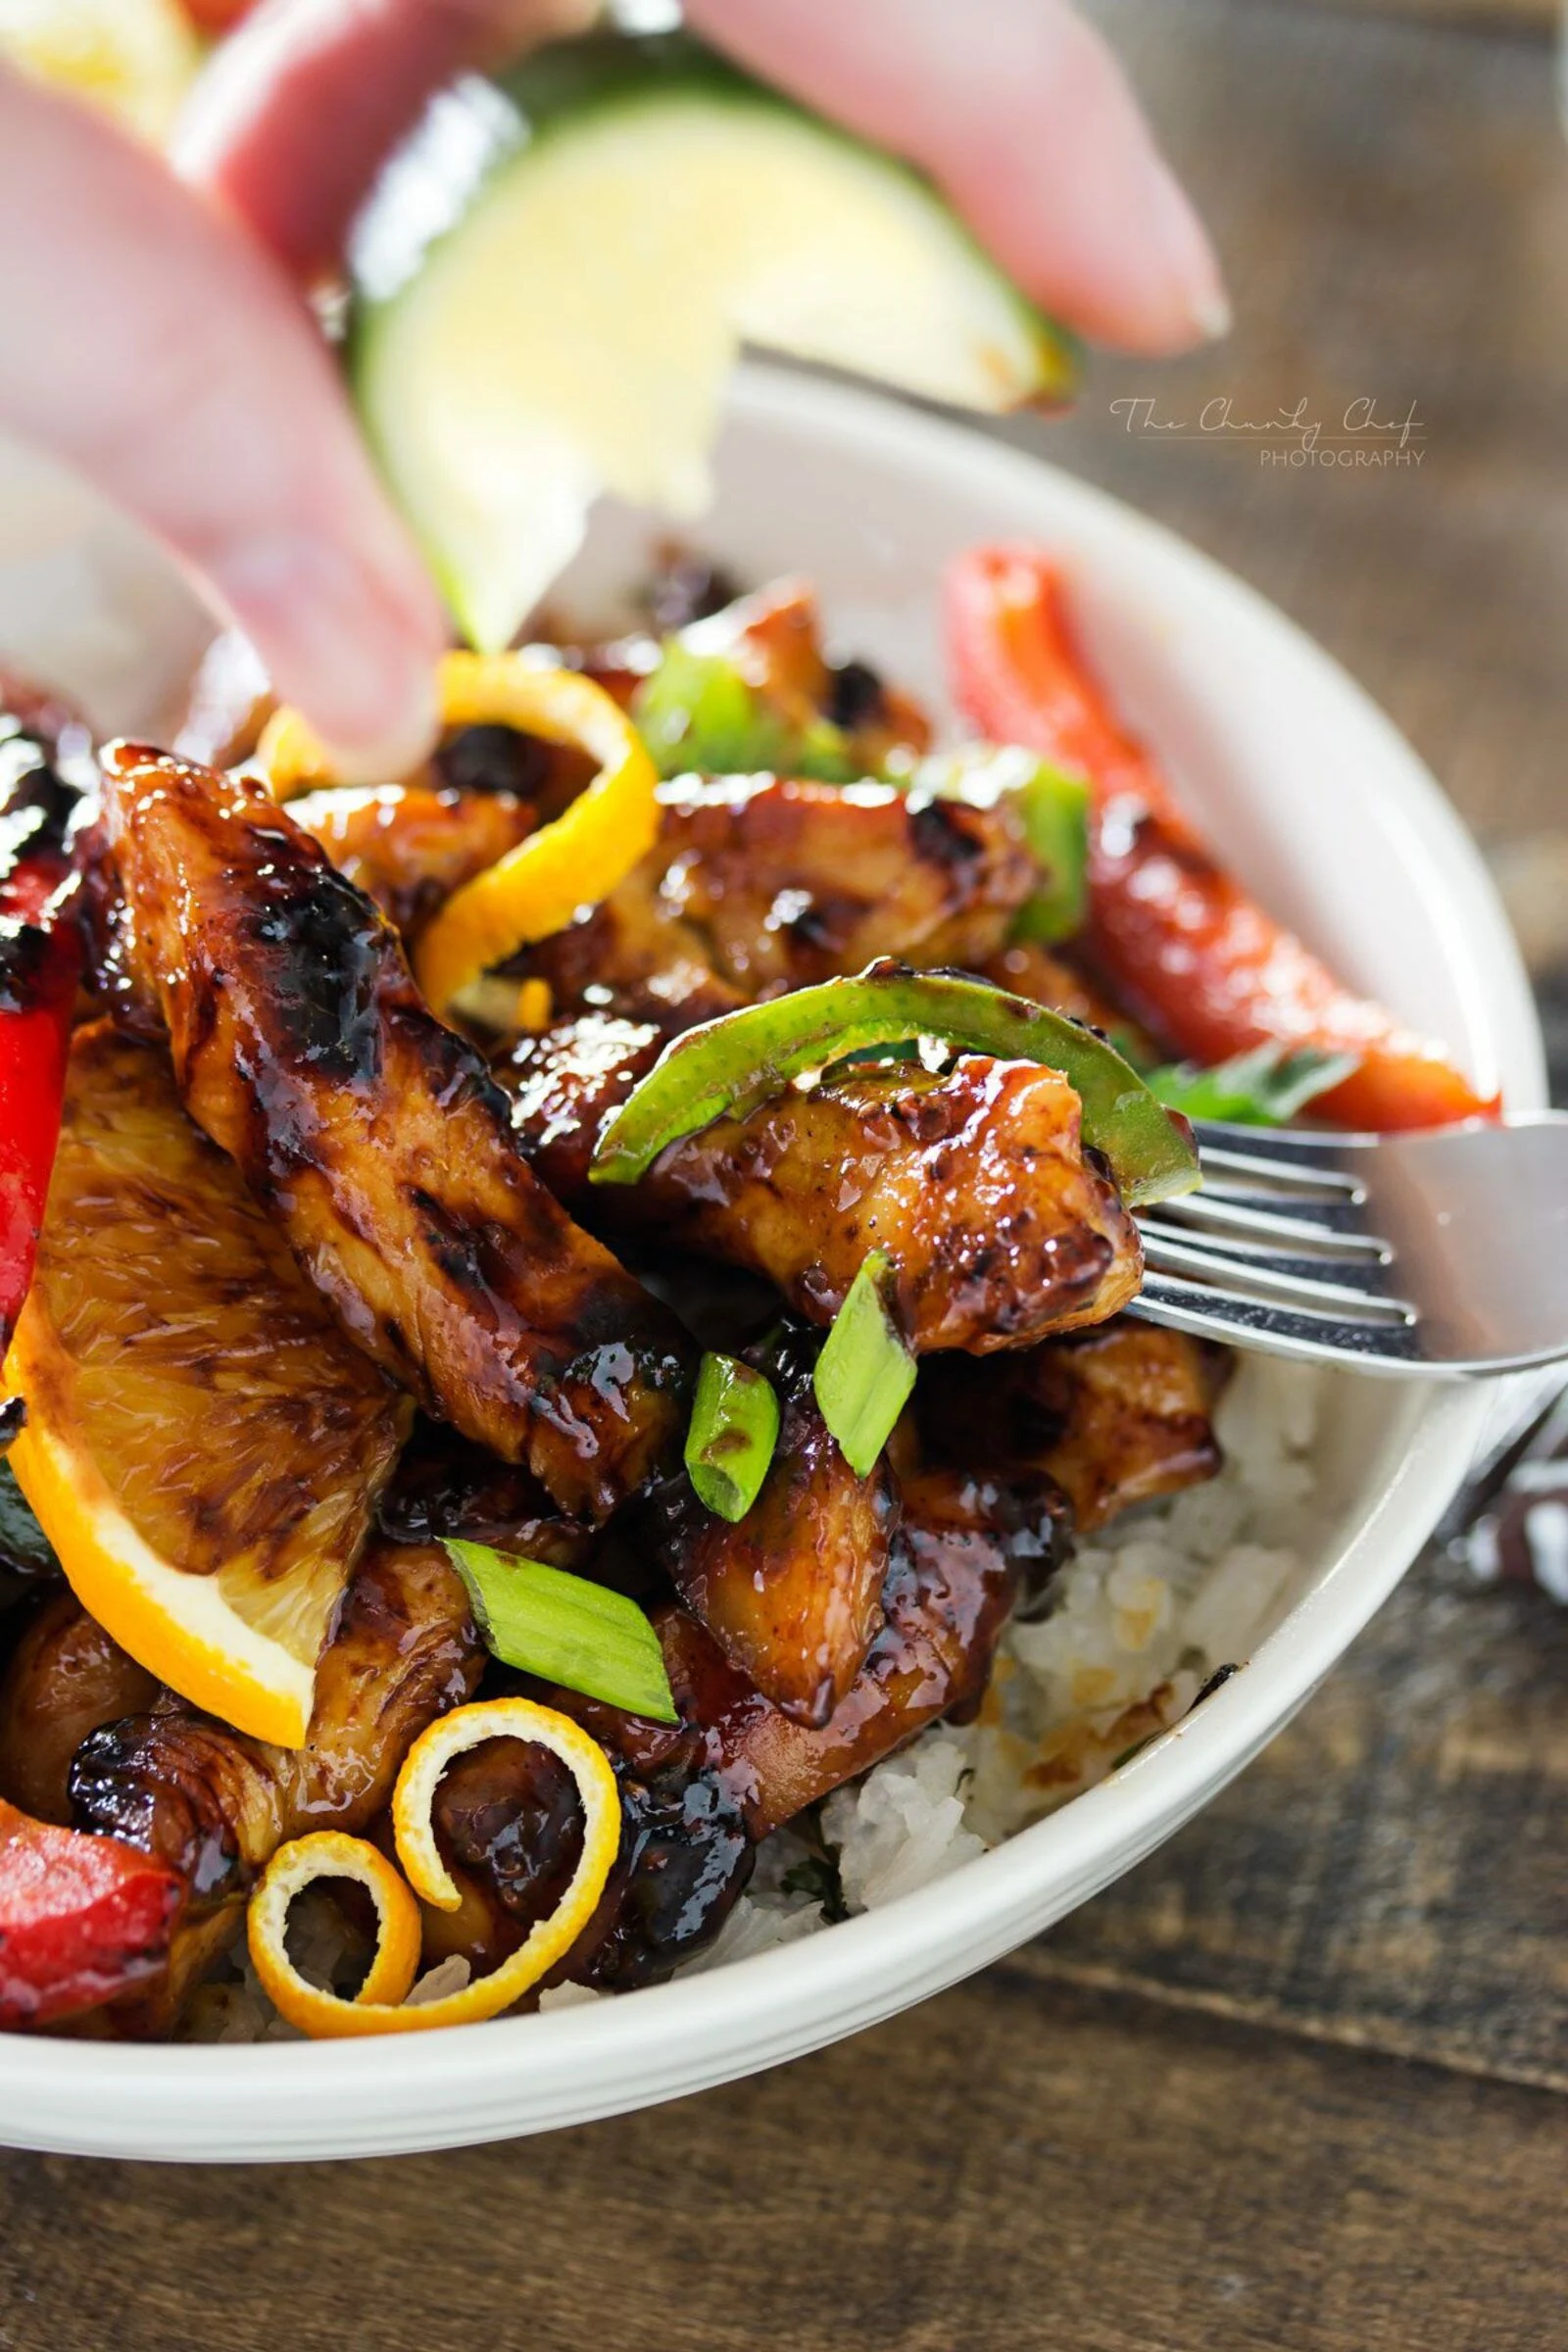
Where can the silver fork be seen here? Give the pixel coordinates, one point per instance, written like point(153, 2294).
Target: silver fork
point(1441, 1254)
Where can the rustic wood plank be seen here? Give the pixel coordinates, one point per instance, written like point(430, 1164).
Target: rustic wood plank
point(1016, 2165)
point(1388, 198)
point(1491, 16)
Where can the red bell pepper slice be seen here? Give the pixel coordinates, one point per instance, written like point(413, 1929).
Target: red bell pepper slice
point(1179, 941)
point(40, 961)
point(82, 1918)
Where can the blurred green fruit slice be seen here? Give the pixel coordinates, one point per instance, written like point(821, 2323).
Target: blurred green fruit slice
point(553, 281)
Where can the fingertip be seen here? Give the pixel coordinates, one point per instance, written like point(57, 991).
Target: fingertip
point(353, 649)
point(1177, 298)
point(407, 730)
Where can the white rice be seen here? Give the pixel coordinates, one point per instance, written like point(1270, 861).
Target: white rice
point(1130, 1630)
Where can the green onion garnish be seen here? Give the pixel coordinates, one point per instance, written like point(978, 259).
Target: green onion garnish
point(865, 1372)
point(734, 1429)
point(566, 1630)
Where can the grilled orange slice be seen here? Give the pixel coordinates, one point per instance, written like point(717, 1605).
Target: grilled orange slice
point(202, 1446)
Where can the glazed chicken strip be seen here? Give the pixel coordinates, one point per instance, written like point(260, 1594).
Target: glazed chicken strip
point(999, 1226)
point(64, 1678)
point(757, 884)
point(409, 848)
point(793, 1593)
point(1115, 1416)
point(966, 1549)
point(378, 1140)
point(216, 1805)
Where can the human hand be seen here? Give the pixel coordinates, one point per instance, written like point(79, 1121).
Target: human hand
point(153, 338)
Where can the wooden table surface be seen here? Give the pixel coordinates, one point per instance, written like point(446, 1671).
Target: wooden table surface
point(1300, 2082)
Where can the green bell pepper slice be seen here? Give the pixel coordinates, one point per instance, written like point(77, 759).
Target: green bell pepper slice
point(729, 1066)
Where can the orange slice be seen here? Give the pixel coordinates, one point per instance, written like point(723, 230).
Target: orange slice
point(202, 1446)
point(379, 2006)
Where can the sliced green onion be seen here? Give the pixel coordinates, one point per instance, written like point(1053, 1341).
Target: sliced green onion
point(729, 1066)
point(734, 1429)
point(866, 1371)
point(698, 712)
point(565, 1630)
point(1052, 808)
point(1262, 1087)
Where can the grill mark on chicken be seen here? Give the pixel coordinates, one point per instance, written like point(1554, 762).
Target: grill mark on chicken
point(216, 1805)
point(1000, 1225)
point(381, 1144)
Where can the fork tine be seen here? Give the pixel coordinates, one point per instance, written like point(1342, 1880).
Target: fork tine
point(1289, 1177)
point(1367, 1276)
point(1218, 1315)
point(1292, 1145)
point(1330, 1227)
point(1273, 1281)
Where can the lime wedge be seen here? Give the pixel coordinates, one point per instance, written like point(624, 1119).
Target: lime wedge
point(553, 279)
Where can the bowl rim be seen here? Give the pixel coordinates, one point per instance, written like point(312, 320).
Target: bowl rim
point(226, 2102)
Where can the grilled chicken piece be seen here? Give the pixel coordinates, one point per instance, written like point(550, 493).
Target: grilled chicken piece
point(757, 884)
point(1115, 1416)
point(379, 1143)
point(64, 1678)
point(507, 1820)
point(564, 1084)
point(793, 1594)
point(216, 1805)
point(444, 1485)
point(696, 1794)
point(976, 1185)
point(965, 1550)
point(409, 848)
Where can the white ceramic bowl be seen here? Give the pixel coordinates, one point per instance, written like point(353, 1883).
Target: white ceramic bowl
point(1328, 813)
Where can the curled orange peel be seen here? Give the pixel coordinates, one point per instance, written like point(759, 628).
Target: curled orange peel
point(538, 887)
point(382, 2006)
